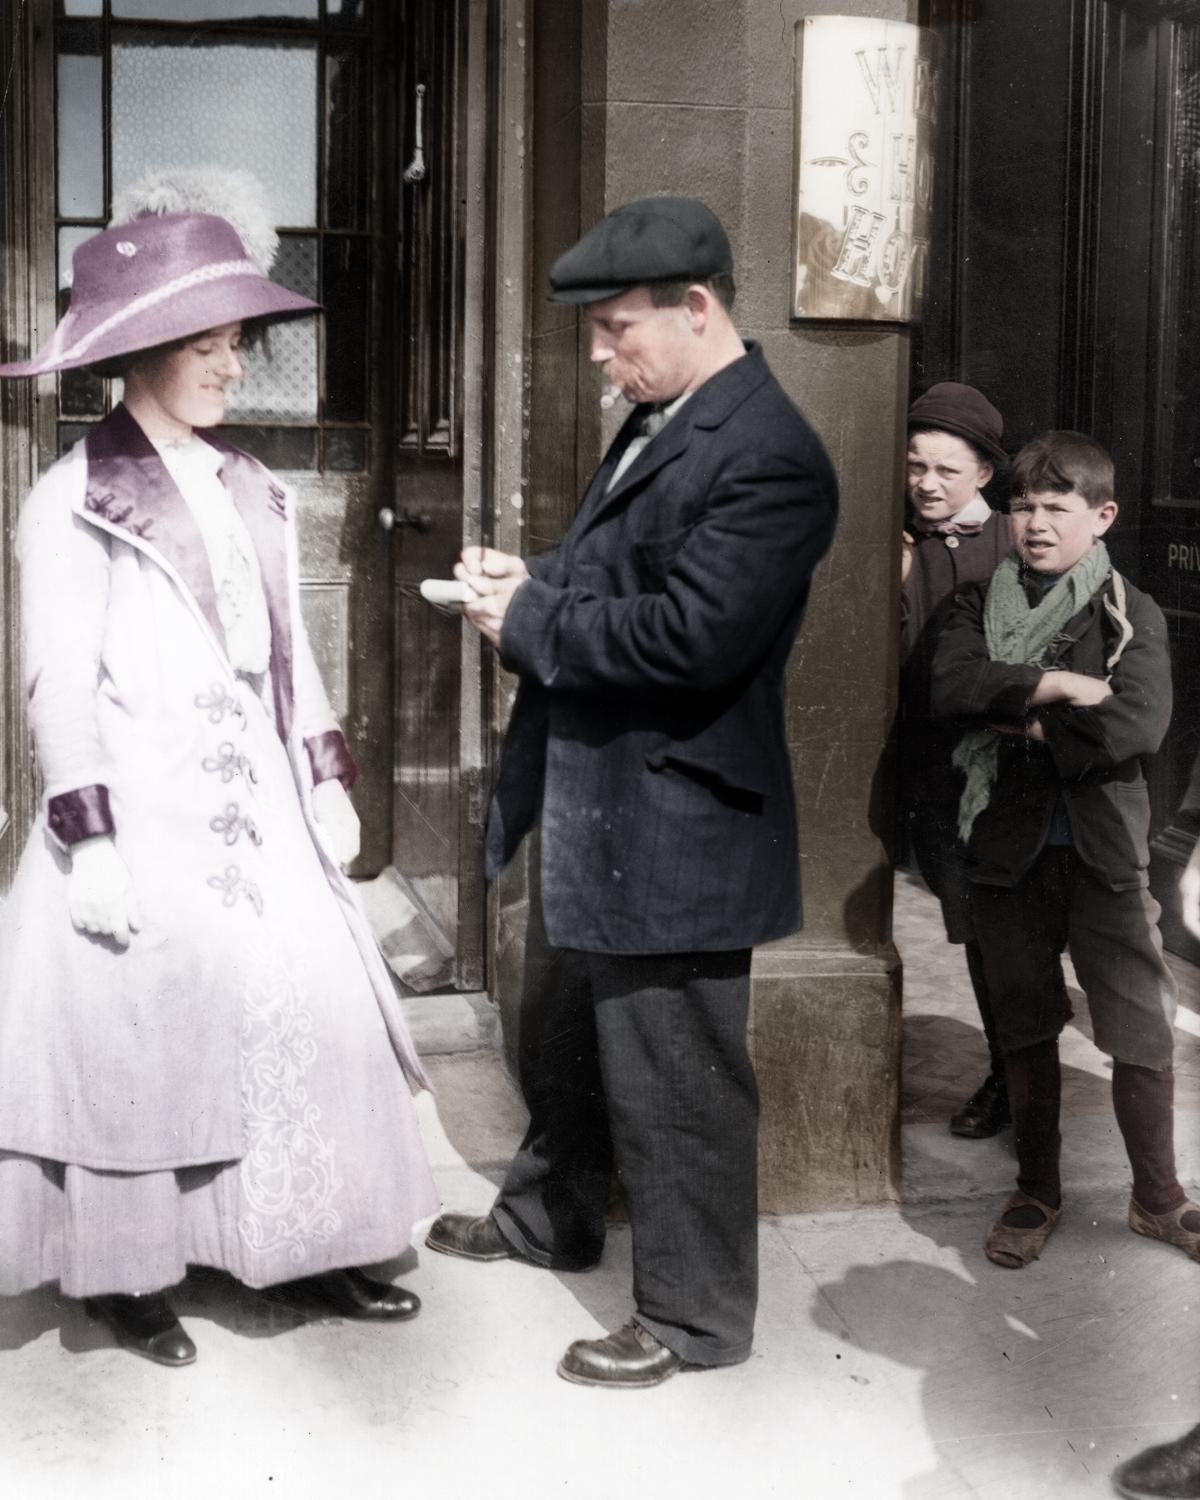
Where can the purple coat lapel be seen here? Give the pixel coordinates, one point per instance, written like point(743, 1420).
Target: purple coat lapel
point(131, 490)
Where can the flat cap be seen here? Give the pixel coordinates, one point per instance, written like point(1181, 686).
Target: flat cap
point(650, 239)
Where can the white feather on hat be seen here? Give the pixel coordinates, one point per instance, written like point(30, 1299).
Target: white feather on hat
point(234, 195)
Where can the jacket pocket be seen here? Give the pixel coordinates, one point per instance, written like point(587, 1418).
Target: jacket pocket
point(733, 773)
point(1111, 825)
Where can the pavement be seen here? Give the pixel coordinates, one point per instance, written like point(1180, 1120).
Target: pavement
point(891, 1359)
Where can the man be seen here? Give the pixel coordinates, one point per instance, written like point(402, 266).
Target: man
point(648, 738)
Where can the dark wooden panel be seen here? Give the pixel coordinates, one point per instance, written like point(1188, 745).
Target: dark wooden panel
point(427, 456)
point(430, 260)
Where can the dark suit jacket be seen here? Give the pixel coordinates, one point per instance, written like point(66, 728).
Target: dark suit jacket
point(648, 731)
point(1092, 757)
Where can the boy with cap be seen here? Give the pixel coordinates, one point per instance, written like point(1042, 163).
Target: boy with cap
point(648, 739)
point(1062, 667)
point(953, 538)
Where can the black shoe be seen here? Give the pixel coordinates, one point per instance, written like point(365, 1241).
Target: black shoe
point(985, 1112)
point(1169, 1471)
point(471, 1238)
point(145, 1326)
point(628, 1359)
point(350, 1293)
point(482, 1239)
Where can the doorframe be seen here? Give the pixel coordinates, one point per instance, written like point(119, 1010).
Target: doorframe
point(27, 313)
point(496, 416)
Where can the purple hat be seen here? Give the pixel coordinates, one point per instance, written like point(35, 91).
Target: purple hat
point(153, 280)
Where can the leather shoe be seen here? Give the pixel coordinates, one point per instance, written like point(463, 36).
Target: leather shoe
point(350, 1293)
point(144, 1325)
point(628, 1359)
point(1168, 1471)
point(985, 1113)
point(471, 1238)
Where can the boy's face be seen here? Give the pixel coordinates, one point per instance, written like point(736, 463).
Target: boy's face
point(1051, 532)
point(944, 474)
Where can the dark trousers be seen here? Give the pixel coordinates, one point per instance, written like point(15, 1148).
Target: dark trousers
point(1114, 943)
point(642, 1062)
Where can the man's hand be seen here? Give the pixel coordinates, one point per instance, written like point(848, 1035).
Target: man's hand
point(1189, 893)
point(334, 811)
point(495, 577)
point(100, 893)
point(1075, 689)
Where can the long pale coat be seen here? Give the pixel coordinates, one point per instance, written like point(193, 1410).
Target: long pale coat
point(130, 1060)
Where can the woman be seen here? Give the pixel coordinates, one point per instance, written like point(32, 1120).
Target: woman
point(201, 1056)
point(953, 538)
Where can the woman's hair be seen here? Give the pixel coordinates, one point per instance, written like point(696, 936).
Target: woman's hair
point(254, 336)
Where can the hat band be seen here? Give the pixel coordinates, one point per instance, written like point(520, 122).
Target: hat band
point(216, 271)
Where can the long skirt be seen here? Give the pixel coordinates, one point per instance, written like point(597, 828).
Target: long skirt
point(333, 1174)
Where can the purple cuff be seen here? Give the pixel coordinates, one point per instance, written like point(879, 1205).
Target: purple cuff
point(81, 814)
point(329, 755)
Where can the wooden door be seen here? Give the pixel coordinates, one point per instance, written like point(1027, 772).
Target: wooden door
point(436, 807)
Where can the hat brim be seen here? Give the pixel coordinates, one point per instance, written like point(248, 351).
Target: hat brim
point(994, 454)
point(211, 304)
point(584, 294)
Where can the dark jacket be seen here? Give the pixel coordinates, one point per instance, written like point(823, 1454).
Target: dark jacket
point(937, 577)
point(648, 731)
point(1092, 757)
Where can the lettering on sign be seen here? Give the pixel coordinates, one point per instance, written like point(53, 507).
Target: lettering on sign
point(866, 103)
point(1184, 555)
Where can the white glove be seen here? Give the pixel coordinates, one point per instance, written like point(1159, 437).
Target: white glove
point(334, 811)
point(1189, 893)
point(100, 893)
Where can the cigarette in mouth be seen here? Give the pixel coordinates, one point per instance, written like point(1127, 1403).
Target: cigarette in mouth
point(609, 397)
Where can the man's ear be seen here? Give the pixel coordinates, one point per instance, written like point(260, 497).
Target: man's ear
point(698, 302)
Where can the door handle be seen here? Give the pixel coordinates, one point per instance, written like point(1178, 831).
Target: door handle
point(415, 171)
point(419, 521)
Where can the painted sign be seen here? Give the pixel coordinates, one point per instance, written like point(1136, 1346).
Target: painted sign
point(866, 103)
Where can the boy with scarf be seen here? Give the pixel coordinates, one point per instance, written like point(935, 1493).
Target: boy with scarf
point(1059, 668)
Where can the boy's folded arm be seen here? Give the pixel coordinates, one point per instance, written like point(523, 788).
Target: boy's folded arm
point(1131, 722)
point(966, 683)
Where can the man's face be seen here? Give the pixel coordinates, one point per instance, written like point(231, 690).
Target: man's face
point(1051, 532)
point(650, 353)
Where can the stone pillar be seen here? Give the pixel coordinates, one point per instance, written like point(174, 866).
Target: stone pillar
point(697, 99)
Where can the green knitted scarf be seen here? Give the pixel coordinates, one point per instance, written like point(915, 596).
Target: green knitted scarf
point(1017, 632)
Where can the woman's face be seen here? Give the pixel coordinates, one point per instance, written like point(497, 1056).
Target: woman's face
point(944, 474)
point(186, 387)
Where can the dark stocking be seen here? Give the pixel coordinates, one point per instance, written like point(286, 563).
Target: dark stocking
point(979, 984)
point(1144, 1103)
point(1034, 1096)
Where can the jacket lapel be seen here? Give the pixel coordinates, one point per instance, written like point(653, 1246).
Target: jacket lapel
point(131, 493)
point(709, 406)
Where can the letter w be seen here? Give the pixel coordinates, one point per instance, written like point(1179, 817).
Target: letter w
point(888, 74)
